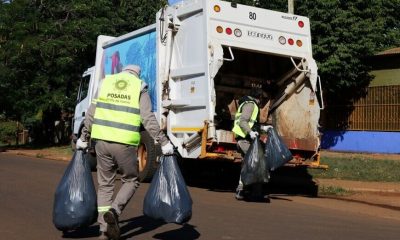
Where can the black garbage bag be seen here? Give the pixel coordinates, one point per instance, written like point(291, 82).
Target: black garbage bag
point(168, 198)
point(276, 152)
point(75, 201)
point(254, 169)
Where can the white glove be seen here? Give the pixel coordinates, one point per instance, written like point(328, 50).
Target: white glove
point(265, 128)
point(167, 149)
point(253, 135)
point(81, 145)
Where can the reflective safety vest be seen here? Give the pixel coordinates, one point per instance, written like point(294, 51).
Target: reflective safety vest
point(117, 115)
point(236, 128)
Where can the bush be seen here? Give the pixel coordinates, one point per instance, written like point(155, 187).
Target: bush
point(8, 132)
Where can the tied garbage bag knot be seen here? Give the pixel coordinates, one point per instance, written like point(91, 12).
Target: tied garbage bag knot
point(168, 198)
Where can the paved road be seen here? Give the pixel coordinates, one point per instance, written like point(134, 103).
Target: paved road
point(27, 188)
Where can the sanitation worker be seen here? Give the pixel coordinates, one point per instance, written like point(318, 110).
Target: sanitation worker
point(246, 130)
point(123, 104)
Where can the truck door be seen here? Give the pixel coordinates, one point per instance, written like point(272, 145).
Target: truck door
point(83, 100)
point(188, 85)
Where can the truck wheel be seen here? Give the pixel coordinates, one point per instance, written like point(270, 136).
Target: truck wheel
point(148, 152)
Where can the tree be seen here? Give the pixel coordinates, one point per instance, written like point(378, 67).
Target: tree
point(345, 33)
point(45, 46)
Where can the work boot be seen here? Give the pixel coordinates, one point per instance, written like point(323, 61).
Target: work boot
point(103, 236)
point(257, 194)
point(111, 218)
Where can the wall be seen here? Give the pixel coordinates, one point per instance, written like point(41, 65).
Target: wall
point(361, 141)
point(372, 123)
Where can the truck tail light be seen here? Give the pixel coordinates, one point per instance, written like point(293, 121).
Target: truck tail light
point(219, 29)
point(220, 149)
point(282, 40)
point(217, 8)
point(228, 31)
point(290, 41)
point(237, 32)
point(301, 24)
point(299, 43)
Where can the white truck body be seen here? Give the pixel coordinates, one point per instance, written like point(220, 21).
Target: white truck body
point(201, 56)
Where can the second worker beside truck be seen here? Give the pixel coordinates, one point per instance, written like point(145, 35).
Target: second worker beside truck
point(123, 104)
point(247, 129)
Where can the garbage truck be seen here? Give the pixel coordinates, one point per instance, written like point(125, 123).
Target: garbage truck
point(199, 59)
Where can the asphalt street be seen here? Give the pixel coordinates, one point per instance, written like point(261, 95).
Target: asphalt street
point(27, 187)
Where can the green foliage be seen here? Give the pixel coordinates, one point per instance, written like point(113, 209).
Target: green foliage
point(45, 46)
point(8, 131)
point(345, 34)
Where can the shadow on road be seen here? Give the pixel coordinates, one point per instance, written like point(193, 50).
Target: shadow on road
point(293, 181)
point(89, 232)
point(136, 226)
point(142, 224)
point(187, 231)
point(224, 176)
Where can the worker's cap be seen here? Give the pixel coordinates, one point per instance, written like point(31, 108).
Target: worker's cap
point(256, 90)
point(134, 69)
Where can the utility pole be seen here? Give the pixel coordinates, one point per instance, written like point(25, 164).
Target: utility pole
point(291, 6)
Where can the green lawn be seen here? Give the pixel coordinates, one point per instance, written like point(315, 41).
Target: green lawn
point(359, 169)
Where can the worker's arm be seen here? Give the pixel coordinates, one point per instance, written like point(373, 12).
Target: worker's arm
point(87, 124)
point(247, 111)
point(148, 118)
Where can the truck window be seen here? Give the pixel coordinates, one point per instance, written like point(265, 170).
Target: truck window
point(83, 88)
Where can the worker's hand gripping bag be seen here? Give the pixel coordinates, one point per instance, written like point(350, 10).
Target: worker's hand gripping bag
point(276, 152)
point(254, 169)
point(75, 201)
point(168, 198)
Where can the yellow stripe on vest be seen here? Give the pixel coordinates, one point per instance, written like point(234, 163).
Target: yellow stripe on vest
point(103, 209)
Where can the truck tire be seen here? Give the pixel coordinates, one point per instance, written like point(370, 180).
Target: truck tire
point(148, 153)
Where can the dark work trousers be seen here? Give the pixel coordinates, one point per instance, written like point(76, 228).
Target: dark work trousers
point(110, 158)
point(243, 146)
point(257, 188)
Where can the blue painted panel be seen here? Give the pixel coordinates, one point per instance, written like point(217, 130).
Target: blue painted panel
point(361, 141)
point(172, 2)
point(139, 51)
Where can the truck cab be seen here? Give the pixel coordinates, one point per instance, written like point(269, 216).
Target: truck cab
point(83, 100)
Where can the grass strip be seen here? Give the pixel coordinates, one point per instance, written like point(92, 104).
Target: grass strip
point(359, 169)
point(333, 191)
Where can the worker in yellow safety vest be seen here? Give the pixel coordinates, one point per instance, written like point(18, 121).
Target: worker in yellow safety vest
point(246, 129)
point(114, 121)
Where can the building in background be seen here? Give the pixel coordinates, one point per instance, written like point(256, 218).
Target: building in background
point(373, 124)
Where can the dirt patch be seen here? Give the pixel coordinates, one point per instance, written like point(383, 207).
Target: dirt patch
point(42, 153)
point(374, 194)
